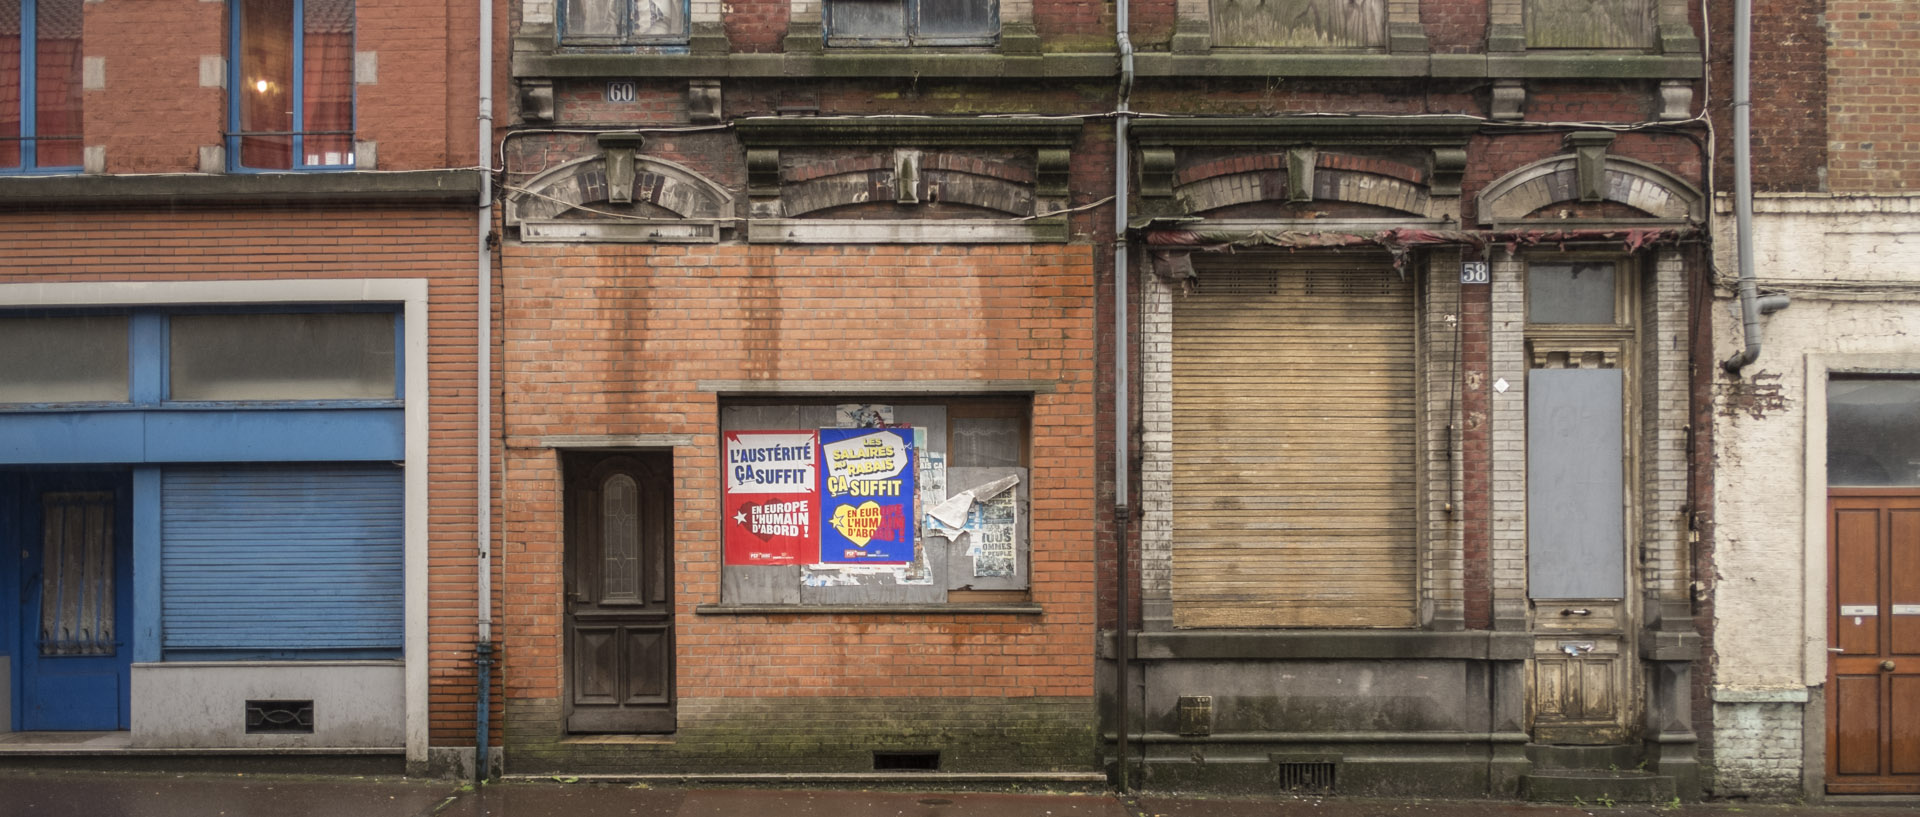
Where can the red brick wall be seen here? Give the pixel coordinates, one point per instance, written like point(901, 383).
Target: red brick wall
point(605, 339)
point(153, 116)
point(1873, 96)
point(258, 244)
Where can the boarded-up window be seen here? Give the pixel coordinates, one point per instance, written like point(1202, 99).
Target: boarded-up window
point(1300, 23)
point(912, 22)
point(1589, 23)
point(1293, 444)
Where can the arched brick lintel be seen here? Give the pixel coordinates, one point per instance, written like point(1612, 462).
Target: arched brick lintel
point(1354, 187)
point(583, 183)
point(948, 186)
point(1636, 184)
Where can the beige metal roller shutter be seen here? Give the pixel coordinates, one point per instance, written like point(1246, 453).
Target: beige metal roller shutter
point(1293, 444)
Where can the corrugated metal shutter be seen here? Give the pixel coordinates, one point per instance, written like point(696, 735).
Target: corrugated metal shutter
point(282, 558)
point(1293, 444)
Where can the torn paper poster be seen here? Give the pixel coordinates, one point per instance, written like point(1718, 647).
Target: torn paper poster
point(991, 532)
point(952, 514)
point(862, 415)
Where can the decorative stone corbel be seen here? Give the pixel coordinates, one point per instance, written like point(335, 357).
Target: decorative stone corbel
point(1676, 99)
point(1156, 172)
point(536, 100)
point(1192, 37)
point(1050, 173)
point(1407, 37)
point(906, 176)
point(703, 101)
point(763, 182)
point(1590, 160)
point(1300, 167)
point(620, 149)
point(1449, 167)
point(707, 39)
point(1509, 99)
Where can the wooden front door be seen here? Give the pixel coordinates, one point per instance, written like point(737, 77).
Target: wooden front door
point(1873, 679)
point(619, 626)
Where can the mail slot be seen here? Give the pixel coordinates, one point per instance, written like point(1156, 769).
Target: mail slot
point(1859, 610)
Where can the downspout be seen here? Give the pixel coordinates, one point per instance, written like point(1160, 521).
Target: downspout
point(1752, 306)
point(1122, 427)
point(483, 420)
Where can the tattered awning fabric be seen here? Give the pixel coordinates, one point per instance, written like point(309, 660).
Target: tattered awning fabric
point(1170, 247)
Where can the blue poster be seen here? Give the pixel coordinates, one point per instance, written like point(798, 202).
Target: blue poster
point(867, 493)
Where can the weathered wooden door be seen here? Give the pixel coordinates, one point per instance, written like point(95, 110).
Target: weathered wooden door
point(1873, 681)
point(619, 626)
point(75, 603)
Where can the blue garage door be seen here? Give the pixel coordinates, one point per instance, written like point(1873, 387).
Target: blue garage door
point(289, 561)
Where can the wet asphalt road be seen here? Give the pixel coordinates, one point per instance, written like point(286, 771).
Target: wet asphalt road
point(93, 794)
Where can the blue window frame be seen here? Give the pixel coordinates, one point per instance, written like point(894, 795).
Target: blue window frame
point(40, 86)
point(290, 85)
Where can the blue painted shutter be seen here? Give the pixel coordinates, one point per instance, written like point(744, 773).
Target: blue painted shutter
point(282, 558)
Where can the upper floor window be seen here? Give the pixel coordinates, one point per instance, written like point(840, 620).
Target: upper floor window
point(1300, 23)
point(912, 22)
point(1590, 23)
point(623, 22)
point(40, 85)
point(291, 93)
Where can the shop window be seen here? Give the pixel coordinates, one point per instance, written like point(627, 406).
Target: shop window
point(912, 22)
point(320, 356)
point(63, 359)
point(40, 87)
point(1316, 24)
point(875, 501)
point(623, 22)
point(291, 93)
point(1572, 293)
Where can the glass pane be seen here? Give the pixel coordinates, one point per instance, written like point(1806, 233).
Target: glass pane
point(327, 83)
point(956, 18)
point(63, 360)
point(266, 83)
point(282, 357)
point(57, 80)
point(620, 539)
point(982, 442)
point(867, 19)
point(1570, 293)
point(659, 18)
point(1873, 431)
point(76, 601)
point(593, 19)
point(10, 83)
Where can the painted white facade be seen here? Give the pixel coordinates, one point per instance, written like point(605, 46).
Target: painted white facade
point(1849, 264)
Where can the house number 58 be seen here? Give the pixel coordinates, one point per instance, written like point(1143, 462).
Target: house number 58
point(1473, 272)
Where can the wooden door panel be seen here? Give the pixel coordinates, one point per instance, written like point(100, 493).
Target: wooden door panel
point(1857, 581)
point(595, 676)
point(1903, 723)
point(1856, 706)
point(646, 654)
point(1903, 581)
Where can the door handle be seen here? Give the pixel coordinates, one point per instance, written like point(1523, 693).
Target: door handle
point(1887, 665)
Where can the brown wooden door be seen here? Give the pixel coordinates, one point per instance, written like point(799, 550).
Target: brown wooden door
point(1873, 681)
point(619, 626)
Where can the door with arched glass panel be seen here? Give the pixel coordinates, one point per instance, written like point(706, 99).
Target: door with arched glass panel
point(619, 627)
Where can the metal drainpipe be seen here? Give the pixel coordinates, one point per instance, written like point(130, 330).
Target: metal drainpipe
point(1121, 424)
point(483, 469)
point(1752, 306)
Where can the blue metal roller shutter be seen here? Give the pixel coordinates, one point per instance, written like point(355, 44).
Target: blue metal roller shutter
point(278, 559)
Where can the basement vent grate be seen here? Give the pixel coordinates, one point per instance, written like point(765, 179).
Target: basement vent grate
point(279, 717)
point(1238, 282)
point(906, 761)
point(1312, 776)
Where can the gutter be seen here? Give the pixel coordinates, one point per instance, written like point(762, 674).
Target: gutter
point(1752, 306)
point(1123, 427)
point(483, 412)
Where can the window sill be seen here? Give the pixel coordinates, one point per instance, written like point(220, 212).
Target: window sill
point(999, 609)
point(414, 186)
point(841, 62)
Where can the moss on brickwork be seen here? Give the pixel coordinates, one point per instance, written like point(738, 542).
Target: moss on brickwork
point(799, 735)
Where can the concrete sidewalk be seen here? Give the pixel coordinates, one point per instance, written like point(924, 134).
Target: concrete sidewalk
point(113, 794)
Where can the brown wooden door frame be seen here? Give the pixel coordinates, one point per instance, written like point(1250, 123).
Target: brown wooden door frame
point(618, 632)
point(1894, 742)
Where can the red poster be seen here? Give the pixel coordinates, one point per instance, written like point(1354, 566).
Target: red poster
point(772, 498)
